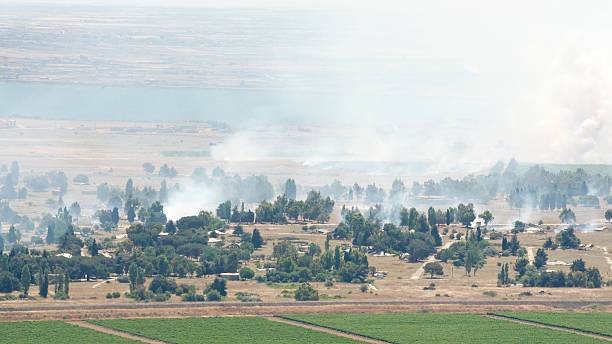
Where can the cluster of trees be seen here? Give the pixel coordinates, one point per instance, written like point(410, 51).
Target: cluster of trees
point(252, 189)
point(464, 214)
point(226, 212)
point(350, 265)
point(22, 268)
point(314, 208)
point(536, 275)
point(131, 199)
point(419, 243)
point(470, 253)
point(536, 187)
point(10, 183)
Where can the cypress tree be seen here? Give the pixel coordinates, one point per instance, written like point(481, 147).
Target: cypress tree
point(44, 283)
point(25, 279)
point(67, 284)
point(256, 239)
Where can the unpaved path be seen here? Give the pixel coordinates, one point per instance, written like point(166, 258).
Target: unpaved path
point(99, 284)
point(417, 274)
point(115, 332)
point(526, 322)
point(530, 255)
point(328, 330)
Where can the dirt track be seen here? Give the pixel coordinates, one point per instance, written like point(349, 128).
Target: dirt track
point(328, 330)
point(583, 333)
point(186, 309)
point(114, 332)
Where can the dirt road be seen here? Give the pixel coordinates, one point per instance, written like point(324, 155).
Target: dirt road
point(327, 330)
point(190, 309)
point(114, 332)
point(526, 322)
point(417, 274)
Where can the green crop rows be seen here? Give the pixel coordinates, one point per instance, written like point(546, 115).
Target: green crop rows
point(36, 332)
point(441, 328)
point(220, 330)
point(599, 323)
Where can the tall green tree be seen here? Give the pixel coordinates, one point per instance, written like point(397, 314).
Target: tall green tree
point(93, 248)
point(567, 216)
point(431, 216)
point(67, 284)
point(540, 258)
point(487, 217)
point(14, 235)
point(256, 239)
point(25, 279)
point(44, 283)
point(290, 189)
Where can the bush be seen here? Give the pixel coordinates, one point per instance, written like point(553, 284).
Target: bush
point(260, 278)
point(306, 293)
point(161, 297)
point(109, 295)
point(123, 279)
point(185, 289)
point(364, 288)
point(246, 273)
point(495, 235)
point(116, 295)
point(489, 293)
point(8, 282)
point(60, 295)
point(329, 283)
point(213, 295)
point(219, 284)
point(162, 284)
point(192, 297)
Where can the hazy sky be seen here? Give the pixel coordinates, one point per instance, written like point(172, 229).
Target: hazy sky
point(524, 78)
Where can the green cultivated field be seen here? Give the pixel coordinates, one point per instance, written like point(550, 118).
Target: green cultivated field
point(441, 328)
point(36, 332)
point(600, 323)
point(220, 330)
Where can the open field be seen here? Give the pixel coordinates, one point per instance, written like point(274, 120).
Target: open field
point(35, 332)
point(597, 322)
point(441, 328)
point(220, 330)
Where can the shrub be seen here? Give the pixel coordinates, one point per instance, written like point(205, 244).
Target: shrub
point(329, 283)
point(116, 295)
point(495, 235)
point(364, 288)
point(489, 293)
point(161, 297)
point(213, 295)
point(109, 295)
point(123, 279)
point(8, 282)
point(185, 289)
point(219, 284)
point(306, 293)
point(192, 297)
point(162, 284)
point(246, 273)
point(60, 295)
